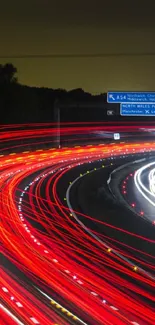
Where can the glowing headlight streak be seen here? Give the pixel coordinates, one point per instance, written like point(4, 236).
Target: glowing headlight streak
point(151, 178)
point(95, 236)
point(10, 314)
point(140, 186)
point(24, 303)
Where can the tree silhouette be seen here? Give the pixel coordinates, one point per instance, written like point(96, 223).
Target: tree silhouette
point(7, 74)
point(8, 83)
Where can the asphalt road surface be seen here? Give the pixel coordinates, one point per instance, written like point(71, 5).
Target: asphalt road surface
point(73, 253)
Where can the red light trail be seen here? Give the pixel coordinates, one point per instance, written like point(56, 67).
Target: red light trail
point(57, 255)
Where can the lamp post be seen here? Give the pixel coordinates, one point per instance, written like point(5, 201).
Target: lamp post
point(57, 123)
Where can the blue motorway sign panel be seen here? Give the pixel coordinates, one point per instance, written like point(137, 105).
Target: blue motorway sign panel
point(135, 109)
point(131, 97)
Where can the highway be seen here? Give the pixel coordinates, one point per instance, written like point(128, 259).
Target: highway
point(62, 261)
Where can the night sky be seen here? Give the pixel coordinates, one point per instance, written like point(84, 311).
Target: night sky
point(111, 28)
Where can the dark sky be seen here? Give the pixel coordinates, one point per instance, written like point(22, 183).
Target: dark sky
point(44, 27)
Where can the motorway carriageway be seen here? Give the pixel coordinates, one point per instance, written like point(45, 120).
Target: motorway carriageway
point(78, 280)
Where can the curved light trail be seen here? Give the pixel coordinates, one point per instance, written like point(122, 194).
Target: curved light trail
point(115, 252)
point(67, 277)
point(146, 192)
point(152, 181)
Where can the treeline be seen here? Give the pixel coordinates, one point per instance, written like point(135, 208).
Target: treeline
point(23, 104)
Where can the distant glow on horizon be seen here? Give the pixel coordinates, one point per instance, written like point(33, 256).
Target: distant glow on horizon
point(74, 31)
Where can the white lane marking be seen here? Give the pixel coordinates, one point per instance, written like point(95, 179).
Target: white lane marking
point(114, 308)
point(94, 293)
point(5, 289)
point(19, 304)
point(34, 320)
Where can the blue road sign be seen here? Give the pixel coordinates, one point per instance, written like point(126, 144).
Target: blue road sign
point(137, 109)
point(131, 97)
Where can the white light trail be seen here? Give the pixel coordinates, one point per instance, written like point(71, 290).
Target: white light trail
point(11, 315)
point(140, 185)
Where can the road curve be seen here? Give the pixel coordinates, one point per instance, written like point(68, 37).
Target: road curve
point(66, 276)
